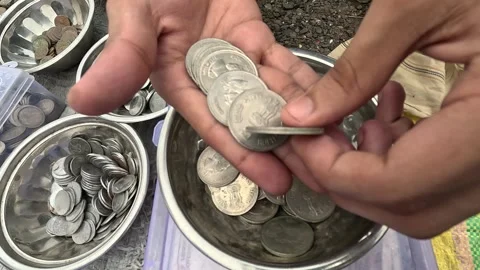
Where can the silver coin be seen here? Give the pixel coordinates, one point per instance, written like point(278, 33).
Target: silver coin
point(78, 210)
point(276, 199)
point(123, 184)
point(115, 144)
point(73, 226)
point(137, 105)
point(101, 209)
point(91, 209)
point(156, 103)
point(262, 212)
point(287, 237)
point(214, 170)
point(92, 229)
point(101, 235)
point(194, 50)
point(73, 199)
point(108, 219)
point(13, 135)
point(223, 61)
point(77, 189)
point(119, 201)
point(256, 108)
point(79, 146)
point(46, 105)
point(120, 160)
point(261, 195)
point(104, 199)
point(83, 234)
point(287, 210)
point(76, 164)
point(57, 226)
point(131, 164)
point(236, 198)
point(286, 130)
point(31, 116)
point(146, 84)
point(226, 88)
point(96, 147)
point(308, 205)
point(117, 221)
point(62, 202)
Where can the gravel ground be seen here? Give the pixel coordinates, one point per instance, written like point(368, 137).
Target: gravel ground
point(317, 25)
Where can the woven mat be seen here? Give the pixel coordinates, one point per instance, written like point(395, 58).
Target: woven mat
point(426, 82)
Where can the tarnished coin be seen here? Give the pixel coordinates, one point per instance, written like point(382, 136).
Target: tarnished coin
point(259, 108)
point(287, 237)
point(223, 61)
point(308, 205)
point(276, 199)
point(79, 146)
point(61, 46)
point(69, 36)
point(236, 198)
point(214, 170)
point(46, 105)
point(226, 88)
point(156, 103)
point(124, 183)
point(287, 210)
point(62, 20)
point(286, 130)
point(83, 234)
point(54, 33)
point(13, 135)
point(137, 105)
point(40, 48)
point(262, 212)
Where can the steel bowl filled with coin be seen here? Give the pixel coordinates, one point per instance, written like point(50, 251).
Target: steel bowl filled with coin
point(70, 192)
point(145, 105)
point(222, 212)
point(48, 35)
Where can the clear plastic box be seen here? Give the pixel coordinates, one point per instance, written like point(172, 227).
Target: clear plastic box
point(25, 106)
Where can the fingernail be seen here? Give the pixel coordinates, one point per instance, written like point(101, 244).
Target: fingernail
point(301, 108)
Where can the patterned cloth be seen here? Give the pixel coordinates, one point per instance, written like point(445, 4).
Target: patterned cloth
point(427, 81)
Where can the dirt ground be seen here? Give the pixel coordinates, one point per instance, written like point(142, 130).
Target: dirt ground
point(317, 25)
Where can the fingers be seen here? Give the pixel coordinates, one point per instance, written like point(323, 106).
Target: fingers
point(362, 70)
point(124, 64)
point(390, 103)
point(375, 137)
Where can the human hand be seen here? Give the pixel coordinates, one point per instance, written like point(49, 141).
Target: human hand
point(428, 180)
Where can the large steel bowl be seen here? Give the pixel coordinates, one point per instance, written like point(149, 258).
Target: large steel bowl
point(83, 67)
point(32, 20)
point(340, 240)
point(24, 242)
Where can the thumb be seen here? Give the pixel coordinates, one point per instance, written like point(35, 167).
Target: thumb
point(124, 64)
point(363, 69)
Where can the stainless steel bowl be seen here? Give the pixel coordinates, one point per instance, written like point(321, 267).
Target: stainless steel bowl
point(340, 240)
point(24, 243)
point(87, 62)
point(36, 17)
point(11, 11)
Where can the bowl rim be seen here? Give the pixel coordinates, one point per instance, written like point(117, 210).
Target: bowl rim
point(113, 116)
point(81, 35)
point(98, 251)
point(339, 261)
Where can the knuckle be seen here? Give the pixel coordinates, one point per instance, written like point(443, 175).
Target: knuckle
point(290, 90)
point(344, 77)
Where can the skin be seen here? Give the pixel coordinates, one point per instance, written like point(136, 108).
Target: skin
point(419, 181)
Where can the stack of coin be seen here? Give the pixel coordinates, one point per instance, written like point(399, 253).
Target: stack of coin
point(55, 40)
point(32, 112)
point(93, 189)
point(237, 97)
point(145, 101)
point(4, 5)
point(234, 194)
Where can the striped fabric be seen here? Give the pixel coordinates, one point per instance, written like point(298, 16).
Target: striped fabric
point(427, 82)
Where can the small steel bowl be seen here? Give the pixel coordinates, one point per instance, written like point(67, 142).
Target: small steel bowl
point(339, 240)
point(24, 242)
point(87, 62)
point(36, 17)
point(11, 11)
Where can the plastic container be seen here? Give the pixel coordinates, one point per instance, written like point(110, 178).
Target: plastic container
point(167, 248)
point(25, 106)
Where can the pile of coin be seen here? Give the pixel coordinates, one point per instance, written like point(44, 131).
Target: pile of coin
point(32, 112)
point(145, 101)
point(93, 189)
point(4, 5)
point(237, 97)
point(55, 40)
point(234, 194)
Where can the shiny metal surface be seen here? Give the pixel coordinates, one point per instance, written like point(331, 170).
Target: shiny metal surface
point(24, 243)
point(38, 16)
point(340, 240)
point(87, 62)
point(11, 11)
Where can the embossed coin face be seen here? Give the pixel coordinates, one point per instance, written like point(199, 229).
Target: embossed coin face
point(223, 61)
point(30, 116)
point(261, 212)
point(227, 87)
point(257, 108)
point(308, 205)
point(237, 198)
point(276, 199)
point(287, 237)
point(214, 170)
